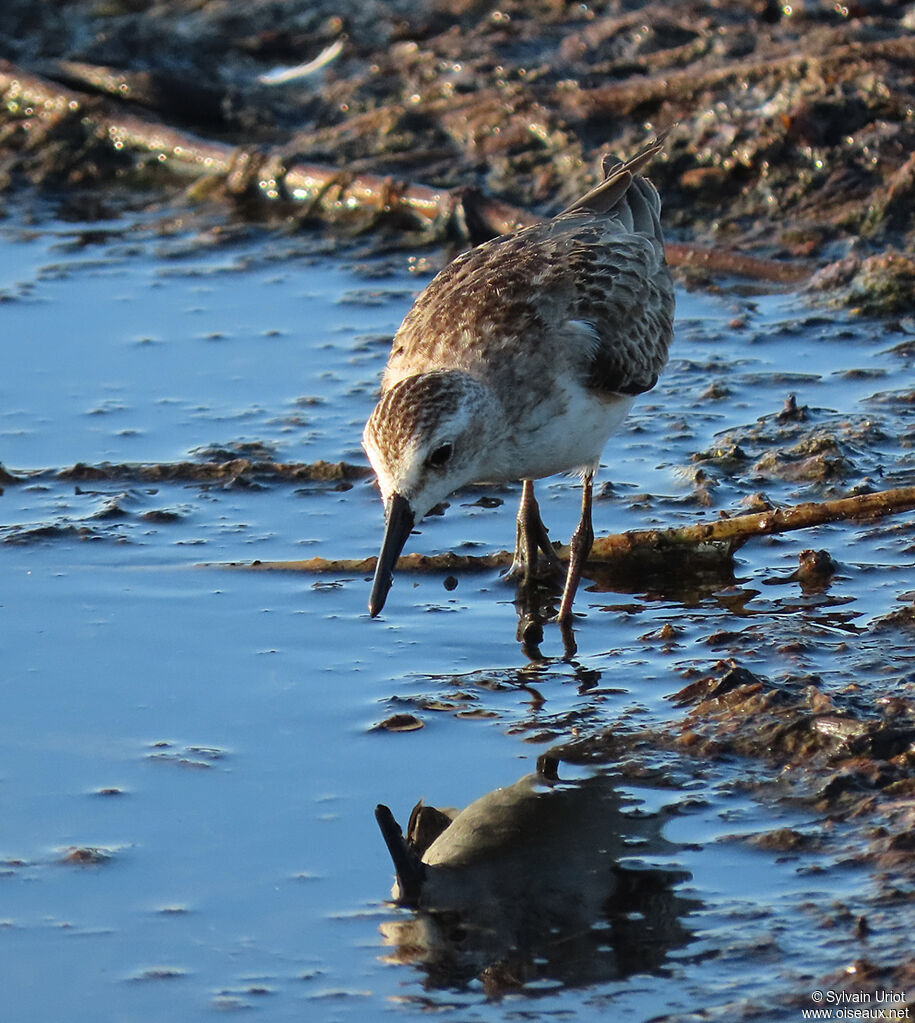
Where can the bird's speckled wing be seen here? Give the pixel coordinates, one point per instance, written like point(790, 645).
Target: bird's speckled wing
point(595, 281)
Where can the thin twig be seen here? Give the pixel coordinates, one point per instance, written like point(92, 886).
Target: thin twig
point(725, 535)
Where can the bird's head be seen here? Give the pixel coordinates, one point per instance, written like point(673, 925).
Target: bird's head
point(425, 438)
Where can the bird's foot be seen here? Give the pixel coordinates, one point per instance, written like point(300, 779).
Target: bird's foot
point(530, 632)
point(517, 571)
point(545, 570)
point(536, 607)
point(534, 559)
point(569, 646)
point(530, 636)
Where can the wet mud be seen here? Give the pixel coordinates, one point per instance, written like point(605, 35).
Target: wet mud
point(791, 125)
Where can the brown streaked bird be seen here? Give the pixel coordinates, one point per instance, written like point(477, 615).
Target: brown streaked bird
point(519, 360)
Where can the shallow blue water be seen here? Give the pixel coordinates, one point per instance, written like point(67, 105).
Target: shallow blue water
point(211, 731)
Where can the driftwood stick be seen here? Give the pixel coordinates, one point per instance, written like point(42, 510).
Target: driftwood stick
point(726, 535)
point(263, 177)
point(735, 531)
point(734, 263)
point(448, 562)
point(225, 470)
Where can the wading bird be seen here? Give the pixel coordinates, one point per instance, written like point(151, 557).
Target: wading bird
point(519, 360)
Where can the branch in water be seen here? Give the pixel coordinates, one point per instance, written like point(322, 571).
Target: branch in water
point(733, 532)
point(200, 472)
point(264, 178)
point(719, 540)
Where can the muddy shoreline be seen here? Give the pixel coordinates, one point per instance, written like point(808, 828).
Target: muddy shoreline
point(792, 129)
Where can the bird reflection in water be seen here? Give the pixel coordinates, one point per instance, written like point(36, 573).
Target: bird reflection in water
point(537, 884)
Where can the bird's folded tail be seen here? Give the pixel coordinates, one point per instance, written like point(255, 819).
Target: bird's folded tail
point(618, 179)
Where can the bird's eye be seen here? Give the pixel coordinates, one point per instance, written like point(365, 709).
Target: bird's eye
point(440, 456)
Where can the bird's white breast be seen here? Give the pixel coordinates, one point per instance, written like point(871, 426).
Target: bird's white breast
point(570, 435)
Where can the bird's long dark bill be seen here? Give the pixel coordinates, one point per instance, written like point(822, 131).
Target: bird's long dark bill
point(398, 521)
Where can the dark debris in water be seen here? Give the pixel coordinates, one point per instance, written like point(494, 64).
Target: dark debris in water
point(157, 973)
point(810, 449)
point(254, 451)
point(113, 511)
point(193, 756)
point(56, 532)
point(799, 723)
point(785, 840)
point(817, 458)
point(229, 470)
point(836, 751)
point(160, 516)
point(399, 723)
point(86, 856)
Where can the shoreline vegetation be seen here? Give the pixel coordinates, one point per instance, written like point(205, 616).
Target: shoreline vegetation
point(790, 159)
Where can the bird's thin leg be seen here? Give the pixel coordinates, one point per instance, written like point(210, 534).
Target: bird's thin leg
point(579, 549)
point(527, 535)
point(524, 568)
point(525, 545)
point(530, 536)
